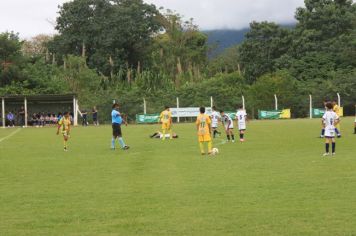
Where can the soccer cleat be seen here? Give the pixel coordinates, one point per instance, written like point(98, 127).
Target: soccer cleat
point(333, 154)
point(126, 148)
point(65, 149)
point(326, 154)
point(233, 141)
point(321, 136)
point(339, 136)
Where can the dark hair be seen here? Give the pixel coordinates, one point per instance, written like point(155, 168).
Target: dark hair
point(202, 110)
point(329, 105)
point(221, 111)
point(115, 105)
point(240, 106)
point(214, 108)
point(66, 113)
point(166, 107)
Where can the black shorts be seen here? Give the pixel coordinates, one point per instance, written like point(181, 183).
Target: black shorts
point(116, 130)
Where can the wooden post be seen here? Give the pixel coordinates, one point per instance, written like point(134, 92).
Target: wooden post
point(144, 107)
point(243, 102)
point(211, 102)
point(338, 100)
point(75, 111)
point(276, 102)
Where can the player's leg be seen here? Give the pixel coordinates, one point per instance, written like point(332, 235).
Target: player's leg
point(164, 130)
point(322, 133)
point(242, 133)
point(327, 147)
point(355, 128)
point(65, 140)
point(210, 147)
point(337, 131)
point(121, 140)
point(232, 135)
point(333, 146)
point(170, 132)
point(227, 134)
point(114, 136)
point(201, 146)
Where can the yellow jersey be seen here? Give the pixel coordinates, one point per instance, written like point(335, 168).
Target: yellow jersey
point(203, 122)
point(64, 123)
point(336, 109)
point(165, 117)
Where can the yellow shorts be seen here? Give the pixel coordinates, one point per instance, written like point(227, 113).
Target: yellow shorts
point(65, 132)
point(204, 138)
point(166, 126)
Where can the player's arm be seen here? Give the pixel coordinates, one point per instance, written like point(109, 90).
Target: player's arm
point(124, 118)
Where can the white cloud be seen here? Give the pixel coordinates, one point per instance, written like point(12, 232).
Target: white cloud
point(30, 17)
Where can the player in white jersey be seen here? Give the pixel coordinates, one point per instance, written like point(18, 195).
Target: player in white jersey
point(241, 119)
point(330, 121)
point(215, 118)
point(228, 125)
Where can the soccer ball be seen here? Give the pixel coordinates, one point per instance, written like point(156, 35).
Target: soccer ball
point(215, 151)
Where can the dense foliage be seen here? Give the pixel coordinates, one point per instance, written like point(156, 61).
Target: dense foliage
point(129, 50)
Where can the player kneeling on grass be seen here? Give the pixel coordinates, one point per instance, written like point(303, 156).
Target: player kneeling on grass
point(330, 121)
point(116, 128)
point(64, 126)
point(228, 125)
point(241, 119)
point(203, 124)
point(166, 120)
point(159, 135)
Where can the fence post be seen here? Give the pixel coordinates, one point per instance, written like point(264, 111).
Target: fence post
point(275, 102)
point(178, 119)
point(144, 106)
point(243, 102)
point(310, 106)
point(25, 106)
point(338, 99)
point(3, 112)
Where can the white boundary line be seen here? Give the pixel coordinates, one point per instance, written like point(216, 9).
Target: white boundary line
point(10, 135)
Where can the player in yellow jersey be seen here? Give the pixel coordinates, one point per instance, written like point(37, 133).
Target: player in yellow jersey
point(203, 124)
point(166, 121)
point(64, 126)
point(337, 110)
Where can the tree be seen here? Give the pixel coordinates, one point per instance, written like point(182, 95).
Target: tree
point(265, 43)
point(109, 33)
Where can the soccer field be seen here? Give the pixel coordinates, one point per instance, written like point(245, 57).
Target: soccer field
point(276, 183)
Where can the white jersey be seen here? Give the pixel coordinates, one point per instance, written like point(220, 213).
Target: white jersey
point(329, 119)
point(215, 116)
point(227, 122)
point(241, 119)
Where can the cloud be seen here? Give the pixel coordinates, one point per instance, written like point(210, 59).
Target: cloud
point(30, 17)
point(232, 14)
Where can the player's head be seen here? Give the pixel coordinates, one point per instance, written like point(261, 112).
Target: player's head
point(202, 110)
point(214, 108)
point(115, 106)
point(222, 112)
point(166, 108)
point(334, 102)
point(240, 106)
point(66, 114)
point(329, 105)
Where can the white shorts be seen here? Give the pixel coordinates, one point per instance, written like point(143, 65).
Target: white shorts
point(330, 133)
point(242, 126)
point(214, 124)
point(231, 126)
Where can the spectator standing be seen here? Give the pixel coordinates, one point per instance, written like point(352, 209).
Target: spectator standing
point(95, 116)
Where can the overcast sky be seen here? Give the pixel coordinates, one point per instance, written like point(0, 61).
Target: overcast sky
point(32, 17)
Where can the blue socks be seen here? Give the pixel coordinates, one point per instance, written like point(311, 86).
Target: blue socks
point(122, 143)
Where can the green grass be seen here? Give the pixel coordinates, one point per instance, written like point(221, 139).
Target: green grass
point(276, 183)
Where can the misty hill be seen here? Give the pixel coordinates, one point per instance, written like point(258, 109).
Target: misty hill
point(221, 39)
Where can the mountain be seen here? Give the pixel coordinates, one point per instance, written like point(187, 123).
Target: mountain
point(219, 40)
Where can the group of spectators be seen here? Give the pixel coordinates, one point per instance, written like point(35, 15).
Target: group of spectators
point(41, 119)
